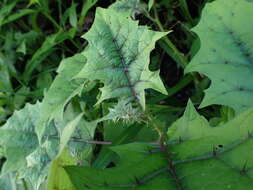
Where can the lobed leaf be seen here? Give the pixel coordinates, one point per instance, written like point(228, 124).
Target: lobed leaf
point(118, 56)
point(198, 155)
point(29, 159)
point(226, 53)
point(61, 91)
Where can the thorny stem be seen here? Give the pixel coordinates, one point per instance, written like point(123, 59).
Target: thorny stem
point(48, 16)
point(24, 184)
point(163, 139)
point(85, 141)
point(174, 51)
point(158, 128)
point(90, 141)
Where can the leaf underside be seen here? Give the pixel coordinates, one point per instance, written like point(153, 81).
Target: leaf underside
point(226, 53)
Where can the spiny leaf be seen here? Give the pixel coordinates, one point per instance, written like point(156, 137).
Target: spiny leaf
point(123, 110)
point(199, 157)
point(61, 91)
point(226, 53)
point(118, 56)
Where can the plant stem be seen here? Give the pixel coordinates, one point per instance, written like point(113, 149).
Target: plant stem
point(163, 139)
point(158, 128)
point(90, 141)
point(85, 8)
point(85, 141)
point(57, 26)
point(60, 11)
point(25, 184)
point(184, 8)
point(172, 50)
point(166, 43)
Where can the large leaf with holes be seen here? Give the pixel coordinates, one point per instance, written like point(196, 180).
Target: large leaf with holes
point(226, 53)
point(198, 157)
point(118, 56)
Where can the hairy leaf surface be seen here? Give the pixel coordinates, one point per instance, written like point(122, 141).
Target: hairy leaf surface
point(200, 155)
point(118, 56)
point(226, 53)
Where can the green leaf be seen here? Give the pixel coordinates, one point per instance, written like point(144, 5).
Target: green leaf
point(127, 7)
point(150, 4)
point(87, 5)
point(5, 10)
point(20, 97)
point(123, 110)
point(31, 2)
point(68, 131)
point(5, 83)
point(226, 53)
point(117, 133)
point(38, 163)
point(5, 182)
point(28, 158)
point(46, 49)
point(58, 178)
point(24, 155)
point(61, 91)
point(18, 138)
point(72, 15)
point(22, 48)
point(118, 56)
point(17, 15)
point(44, 81)
point(198, 157)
